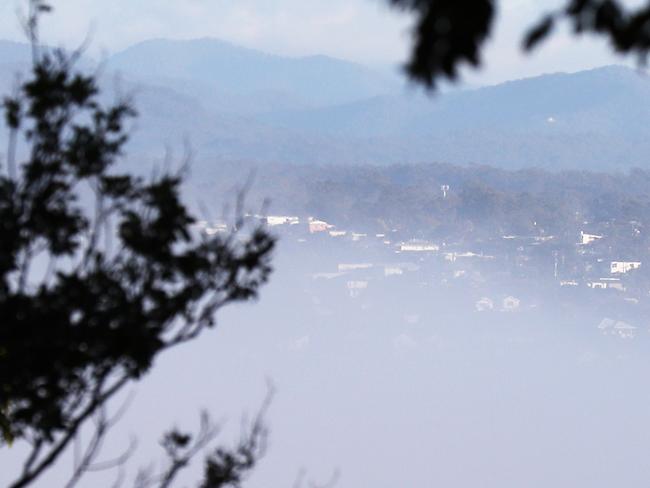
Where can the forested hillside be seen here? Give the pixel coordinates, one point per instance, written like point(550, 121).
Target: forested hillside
point(480, 200)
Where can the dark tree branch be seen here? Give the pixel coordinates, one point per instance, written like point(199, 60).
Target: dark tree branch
point(81, 465)
point(180, 454)
point(103, 424)
point(31, 459)
point(97, 319)
point(69, 435)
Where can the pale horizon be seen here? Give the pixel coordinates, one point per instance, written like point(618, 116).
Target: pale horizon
point(362, 31)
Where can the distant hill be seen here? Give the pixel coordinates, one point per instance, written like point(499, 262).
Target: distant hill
point(291, 110)
point(591, 119)
point(218, 70)
point(612, 99)
point(233, 103)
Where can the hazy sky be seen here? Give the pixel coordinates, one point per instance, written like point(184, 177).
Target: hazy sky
point(360, 30)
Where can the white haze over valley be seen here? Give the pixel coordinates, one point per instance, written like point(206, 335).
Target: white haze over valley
point(397, 388)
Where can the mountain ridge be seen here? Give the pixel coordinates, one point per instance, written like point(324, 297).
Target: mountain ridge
point(315, 80)
point(238, 103)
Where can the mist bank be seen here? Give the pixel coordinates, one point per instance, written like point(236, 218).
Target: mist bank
point(404, 385)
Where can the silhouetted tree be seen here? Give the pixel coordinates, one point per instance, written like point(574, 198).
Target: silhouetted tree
point(448, 33)
point(88, 299)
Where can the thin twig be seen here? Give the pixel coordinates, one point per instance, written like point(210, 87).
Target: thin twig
point(98, 400)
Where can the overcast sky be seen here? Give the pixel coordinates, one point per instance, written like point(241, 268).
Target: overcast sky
point(366, 31)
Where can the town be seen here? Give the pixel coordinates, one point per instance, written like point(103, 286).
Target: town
point(500, 274)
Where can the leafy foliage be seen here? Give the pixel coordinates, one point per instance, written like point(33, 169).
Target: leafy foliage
point(448, 33)
point(224, 466)
point(89, 299)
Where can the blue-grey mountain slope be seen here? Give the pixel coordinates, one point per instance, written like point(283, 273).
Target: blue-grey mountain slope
point(592, 119)
point(265, 108)
point(232, 103)
point(612, 99)
point(219, 71)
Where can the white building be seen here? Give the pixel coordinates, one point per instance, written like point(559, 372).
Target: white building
point(607, 283)
point(356, 287)
point(624, 330)
point(623, 266)
point(273, 220)
point(354, 266)
point(316, 225)
point(568, 283)
point(326, 276)
point(484, 304)
point(393, 270)
point(454, 256)
point(617, 328)
point(211, 228)
point(418, 246)
point(216, 229)
point(588, 238)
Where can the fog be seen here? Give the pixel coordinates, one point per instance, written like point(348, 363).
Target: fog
point(401, 385)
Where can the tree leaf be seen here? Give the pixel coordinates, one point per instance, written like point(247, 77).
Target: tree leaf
point(539, 32)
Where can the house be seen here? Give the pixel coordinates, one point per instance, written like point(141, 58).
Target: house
point(484, 304)
point(624, 330)
point(454, 256)
point(393, 270)
point(418, 246)
point(622, 267)
point(216, 229)
point(273, 220)
point(356, 287)
point(568, 283)
point(212, 228)
point(326, 276)
point(617, 328)
point(588, 238)
point(606, 324)
point(318, 226)
point(354, 266)
point(597, 285)
point(607, 283)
